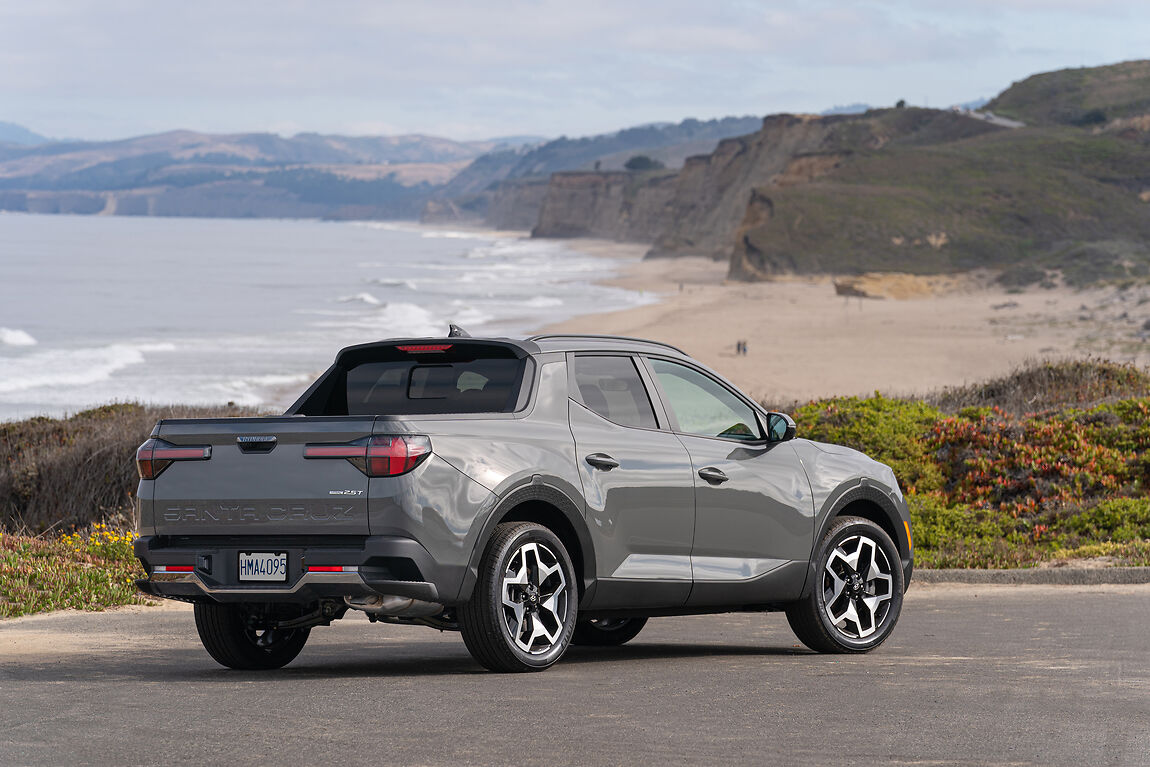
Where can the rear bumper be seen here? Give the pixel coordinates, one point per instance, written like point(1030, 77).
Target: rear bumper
point(373, 565)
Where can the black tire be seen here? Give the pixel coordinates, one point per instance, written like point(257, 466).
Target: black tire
point(868, 628)
point(227, 637)
point(490, 628)
point(609, 632)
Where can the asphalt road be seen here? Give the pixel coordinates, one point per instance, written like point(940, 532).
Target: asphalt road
point(972, 675)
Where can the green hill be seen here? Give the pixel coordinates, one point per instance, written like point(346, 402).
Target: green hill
point(1078, 96)
point(1069, 193)
point(1026, 200)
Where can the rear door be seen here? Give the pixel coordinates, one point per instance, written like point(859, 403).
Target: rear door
point(257, 480)
point(636, 479)
point(754, 511)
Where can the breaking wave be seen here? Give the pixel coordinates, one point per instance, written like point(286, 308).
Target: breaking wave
point(16, 337)
point(71, 367)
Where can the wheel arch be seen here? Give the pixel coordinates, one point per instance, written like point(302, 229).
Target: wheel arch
point(548, 506)
point(871, 503)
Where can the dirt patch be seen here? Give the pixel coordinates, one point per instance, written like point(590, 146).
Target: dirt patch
point(902, 286)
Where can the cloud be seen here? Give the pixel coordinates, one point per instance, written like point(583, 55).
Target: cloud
point(505, 66)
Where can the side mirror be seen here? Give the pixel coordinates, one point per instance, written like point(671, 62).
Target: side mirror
point(780, 427)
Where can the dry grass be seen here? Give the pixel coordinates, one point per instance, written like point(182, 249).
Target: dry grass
point(1039, 386)
point(68, 473)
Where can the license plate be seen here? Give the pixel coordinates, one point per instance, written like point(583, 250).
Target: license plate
point(259, 566)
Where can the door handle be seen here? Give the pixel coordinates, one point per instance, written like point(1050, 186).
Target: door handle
point(602, 461)
point(712, 475)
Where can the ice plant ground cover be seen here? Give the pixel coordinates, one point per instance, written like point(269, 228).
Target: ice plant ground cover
point(993, 486)
point(82, 571)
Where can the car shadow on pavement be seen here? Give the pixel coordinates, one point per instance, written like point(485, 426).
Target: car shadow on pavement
point(437, 662)
point(640, 651)
point(407, 659)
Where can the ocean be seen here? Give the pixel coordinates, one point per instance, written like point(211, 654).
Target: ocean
point(209, 311)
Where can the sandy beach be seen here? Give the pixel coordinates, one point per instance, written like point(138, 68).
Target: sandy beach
point(805, 341)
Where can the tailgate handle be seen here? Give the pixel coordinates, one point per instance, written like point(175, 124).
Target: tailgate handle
point(256, 444)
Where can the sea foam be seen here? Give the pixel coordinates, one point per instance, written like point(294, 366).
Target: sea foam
point(16, 337)
point(71, 367)
point(364, 298)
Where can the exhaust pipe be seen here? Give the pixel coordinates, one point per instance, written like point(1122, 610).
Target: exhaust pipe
point(395, 607)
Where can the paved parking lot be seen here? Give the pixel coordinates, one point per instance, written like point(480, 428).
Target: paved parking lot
point(972, 675)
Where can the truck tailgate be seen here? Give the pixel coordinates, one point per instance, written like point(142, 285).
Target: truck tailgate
point(257, 480)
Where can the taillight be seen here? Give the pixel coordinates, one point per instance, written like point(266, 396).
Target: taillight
point(391, 456)
point(379, 456)
point(155, 455)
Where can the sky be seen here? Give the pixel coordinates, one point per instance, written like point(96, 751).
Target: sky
point(105, 69)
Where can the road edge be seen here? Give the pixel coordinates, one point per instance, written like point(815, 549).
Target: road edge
point(1057, 576)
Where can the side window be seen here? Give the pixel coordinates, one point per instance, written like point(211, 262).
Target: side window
point(612, 388)
point(704, 406)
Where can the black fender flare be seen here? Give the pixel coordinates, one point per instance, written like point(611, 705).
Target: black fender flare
point(536, 491)
point(862, 491)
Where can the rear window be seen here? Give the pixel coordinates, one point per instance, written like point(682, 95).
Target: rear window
point(471, 378)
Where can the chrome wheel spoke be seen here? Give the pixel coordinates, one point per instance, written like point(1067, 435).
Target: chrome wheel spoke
point(837, 588)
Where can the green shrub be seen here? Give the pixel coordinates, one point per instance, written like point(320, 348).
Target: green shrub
point(889, 430)
point(642, 162)
point(992, 486)
point(1120, 519)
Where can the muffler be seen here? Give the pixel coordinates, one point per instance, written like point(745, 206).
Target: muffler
point(395, 607)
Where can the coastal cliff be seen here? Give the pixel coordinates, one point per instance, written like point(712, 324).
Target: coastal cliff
point(620, 205)
point(907, 189)
point(502, 189)
point(1038, 205)
point(697, 211)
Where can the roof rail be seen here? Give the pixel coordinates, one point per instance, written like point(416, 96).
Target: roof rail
point(547, 336)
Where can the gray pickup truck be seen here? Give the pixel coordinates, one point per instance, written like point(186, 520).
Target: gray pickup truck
point(530, 494)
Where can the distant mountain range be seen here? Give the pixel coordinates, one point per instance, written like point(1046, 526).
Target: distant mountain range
point(185, 173)
point(11, 133)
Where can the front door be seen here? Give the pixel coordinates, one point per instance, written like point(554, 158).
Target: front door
point(754, 510)
point(637, 480)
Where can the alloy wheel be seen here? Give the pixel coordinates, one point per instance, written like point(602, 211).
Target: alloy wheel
point(857, 587)
point(535, 595)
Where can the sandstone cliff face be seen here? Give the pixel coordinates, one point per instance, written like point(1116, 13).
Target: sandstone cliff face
point(714, 191)
point(515, 204)
point(615, 205)
point(511, 204)
point(700, 210)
